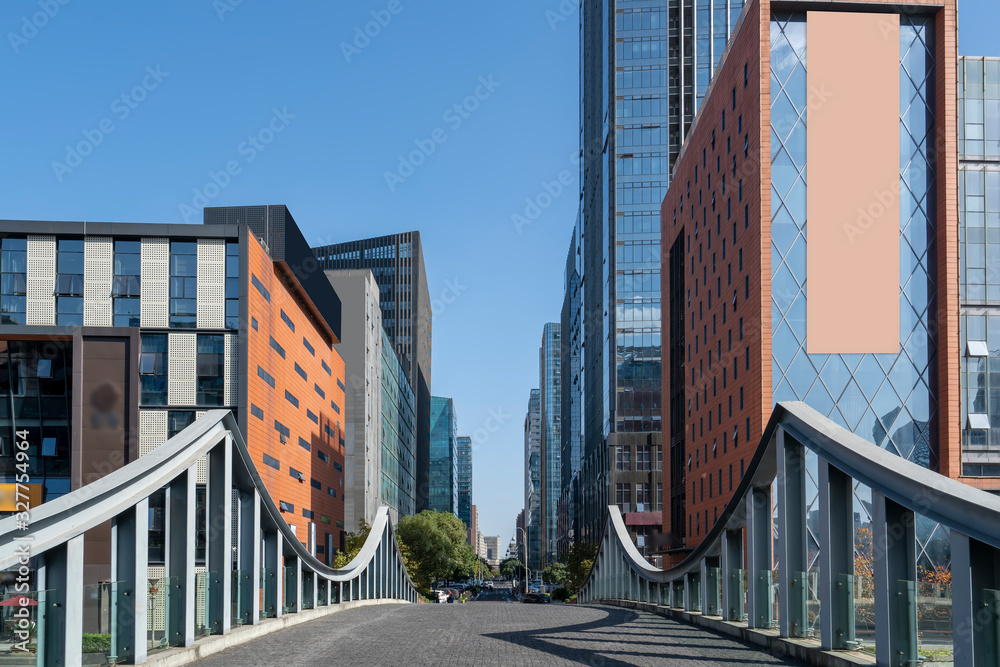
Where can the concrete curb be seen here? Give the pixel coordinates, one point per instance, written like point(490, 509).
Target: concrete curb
point(246, 633)
point(807, 651)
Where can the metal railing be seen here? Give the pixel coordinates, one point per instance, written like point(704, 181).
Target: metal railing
point(254, 565)
point(754, 564)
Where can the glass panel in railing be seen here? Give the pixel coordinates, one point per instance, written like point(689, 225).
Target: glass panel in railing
point(934, 624)
point(322, 596)
point(22, 620)
point(694, 591)
point(905, 600)
point(774, 596)
point(307, 590)
point(714, 600)
point(202, 590)
point(737, 582)
point(267, 577)
point(158, 614)
point(100, 611)
point(289, 590)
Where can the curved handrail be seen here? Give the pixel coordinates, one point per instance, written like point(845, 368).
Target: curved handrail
point(69, 516)
point(961, 507)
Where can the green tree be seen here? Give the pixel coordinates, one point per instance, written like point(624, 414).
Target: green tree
point(435, 546)
point(555, 573)
point(511, 568)
point(579, 559)
point(353, 545)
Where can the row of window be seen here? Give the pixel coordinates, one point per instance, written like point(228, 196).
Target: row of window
point(643, 458)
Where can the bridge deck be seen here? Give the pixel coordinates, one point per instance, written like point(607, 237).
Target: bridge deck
point(494, 633)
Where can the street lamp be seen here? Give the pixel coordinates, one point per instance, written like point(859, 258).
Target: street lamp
point(525, 533)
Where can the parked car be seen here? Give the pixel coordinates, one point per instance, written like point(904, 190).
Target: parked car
point(439, 596)
point(533, 598)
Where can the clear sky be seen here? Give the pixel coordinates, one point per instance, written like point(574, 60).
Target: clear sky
point(303, 109)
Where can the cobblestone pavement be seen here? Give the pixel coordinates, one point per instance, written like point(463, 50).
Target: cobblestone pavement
point(494, 633)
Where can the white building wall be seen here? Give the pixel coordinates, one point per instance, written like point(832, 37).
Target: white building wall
point(98, 273)
point(154, 284)
point(211, 283)
point(181, 367)
point(41, 280)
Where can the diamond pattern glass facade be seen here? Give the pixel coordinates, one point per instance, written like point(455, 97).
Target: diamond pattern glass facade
point(885, 398)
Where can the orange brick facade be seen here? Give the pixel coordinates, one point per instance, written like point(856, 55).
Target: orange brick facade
point(316, 421)
point(719, 205)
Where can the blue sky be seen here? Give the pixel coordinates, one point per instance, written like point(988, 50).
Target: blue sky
point(166, 97)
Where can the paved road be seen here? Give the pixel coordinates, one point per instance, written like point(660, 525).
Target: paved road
point(493, 633)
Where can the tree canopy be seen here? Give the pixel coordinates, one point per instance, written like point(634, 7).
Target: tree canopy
point(435, 547)
point(555, 573)
point(579, 560)
point(510, 568)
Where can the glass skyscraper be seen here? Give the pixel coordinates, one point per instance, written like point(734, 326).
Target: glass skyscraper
point(443, 469)
point(979, 263)
point(645, 69)
point(549, 381)
point(464, 472)
point(533, 480)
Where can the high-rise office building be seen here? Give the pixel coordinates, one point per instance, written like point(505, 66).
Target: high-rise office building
point(979, 267)
point(492, 549)
point(464, 480)
point(856, 313)
point(443, 472)
point(533, 480)
point(379, 413)
point(472, 528)
point(117, 336)
point(645, 69)
point(397, 262)
point(571, 394)
point(551, 440)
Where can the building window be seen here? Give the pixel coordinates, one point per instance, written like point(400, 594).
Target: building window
point(325, 367)
point(272, 462)
point(312, 416)
point(304, 444)
point(178, 420)
point(286, 507)
point(69, 283)
point(232, 285)
point(310, 348)
point(288, 321)
point(323, 457)
point(623, 458)
point(210, 369)
point(184, 284)
point(336, 408)
point(338, 467)
point(153, 369)
point(13, 280)
point(308, 514)
point(623, 498)
point(277, 348)
point(291, 398)
point(292, 472)
point(253, 323)
point(642, 457)
point(256, 412)
point(330, 490)
point(319, 391)
point(315, 483)
point(264, 375)
point(126, 285)
point(302, 373)
point(643, 498)
point(282, 431)
point(341, 385)
point(260, 288)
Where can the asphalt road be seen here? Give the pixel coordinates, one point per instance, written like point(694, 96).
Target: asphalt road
point(494, 633)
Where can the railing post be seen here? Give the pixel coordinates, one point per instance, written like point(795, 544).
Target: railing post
point(975, 602)
point(340, 592)
point(732, 562)
point(60, 575)
point(249, 557)
point(181, 522)
point(791, 482)
point(129, 560)
point(836, 553)
point(298, 584)
point(220, 534)
point(759, 557)
point(894, 562)
point(273, 546)
point(703, 585)
point(689, 593)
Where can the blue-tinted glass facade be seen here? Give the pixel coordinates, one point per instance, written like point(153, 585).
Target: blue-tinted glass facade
point(888, 399)
point(398, 433)
point(549, 378)
point(533, 480)
point(443, 469)
point(35, 392)
point(979, 263)
point(464, 477)
point(13, 280)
